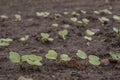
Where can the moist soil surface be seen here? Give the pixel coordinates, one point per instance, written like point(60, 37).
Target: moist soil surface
point(103, 41)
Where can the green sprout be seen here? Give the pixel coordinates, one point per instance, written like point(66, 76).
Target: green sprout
point(18, 17)
point(85, 20)
point(74, 19)
point(65, 57)
point(55, 25)
point(81, 54)
point(75, 13)
point(30, 59)
point(4, 17)
point(89, 35)
point(117, 31)
point(43, 14)
point(92, 59)
point(46, 37)
point(106, 11)
point(83, 11)
point(5, 41)
point(117, 18)
point(52, 55)
point(115, 56)
point(25, 38)
point(65, 13)
point(104, 19)
point(63, 34)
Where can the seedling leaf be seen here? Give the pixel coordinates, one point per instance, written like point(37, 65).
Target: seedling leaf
point(51, 55)
point(94, 60)
point(63, 34)
point(65, 57)
point(81, 54)
point(14, 57)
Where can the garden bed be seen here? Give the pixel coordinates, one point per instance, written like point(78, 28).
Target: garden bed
point(103, 42)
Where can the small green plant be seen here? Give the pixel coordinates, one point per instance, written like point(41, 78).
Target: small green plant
point(63, 34)
point(46, 37)
point(5, 41)
point(25, 38)
point(115, 56)
point(117, 31)
point(74, 19)
point(106, 11)
point(18, 17)
point(43, 14)
point(83, 11)
point(52, 55)
point(75, 13)
point(104, 19)
point(89, 35)
point(30, 59)
point(85, 20)
point(55, 25)
point(4, 17)
point(92, 59)
point(117, 18)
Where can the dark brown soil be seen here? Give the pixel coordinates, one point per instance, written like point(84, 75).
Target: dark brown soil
point(33, 26)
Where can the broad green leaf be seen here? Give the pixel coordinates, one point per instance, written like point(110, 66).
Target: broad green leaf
point(89, 33)
point(25, 38)
point(115, 56)
point(65, 57)
point(74, 19)
point(104, 19)
point(14, 57)
point(45, 35)
point(51, 55)
point(88, 38)
point(94, 60)
point(85, 20)
point(81, 54)
point(63, 33)
point(34, 60)
point(115, 17)
point(5, 41)
point(24, 57)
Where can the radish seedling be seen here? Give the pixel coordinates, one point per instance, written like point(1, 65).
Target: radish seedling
point(25, 38)
point(53, 56)
point(43, 14)
point(4, 17)
point(117, 18)
point(89, 35)
point(117, 31)
point(115, 56)
point(30, 59)
point(18, 17)
point(63, 34)
point(85, 20)
point(74, 19)
point(46, 37)
point(5, 41)
point(104, 19)
point(92, 59)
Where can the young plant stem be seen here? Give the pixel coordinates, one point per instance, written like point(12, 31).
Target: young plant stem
point(58, 61)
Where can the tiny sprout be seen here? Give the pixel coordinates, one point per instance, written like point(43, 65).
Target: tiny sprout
point(85, 21)
point(65, 13)
point(55, 25)
point(5, 42)
point(25, 38)
point(4, 17)
point(104, 19)
point(18, 17)
point(51, 55)
point(65, 57)
point(88, 38)
point(106, 11)
point(83, 11)
point(89, 33)
point(58, 15)
point(117, 31)
point(66, 25)
point(81, 54)
point(63, 34)
point(74, 19)
point(15, 57)
point(115, 56)
point(43, 14)
point(46, 37)
point(94, 60)
point(75, 13)
point(117, 18)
